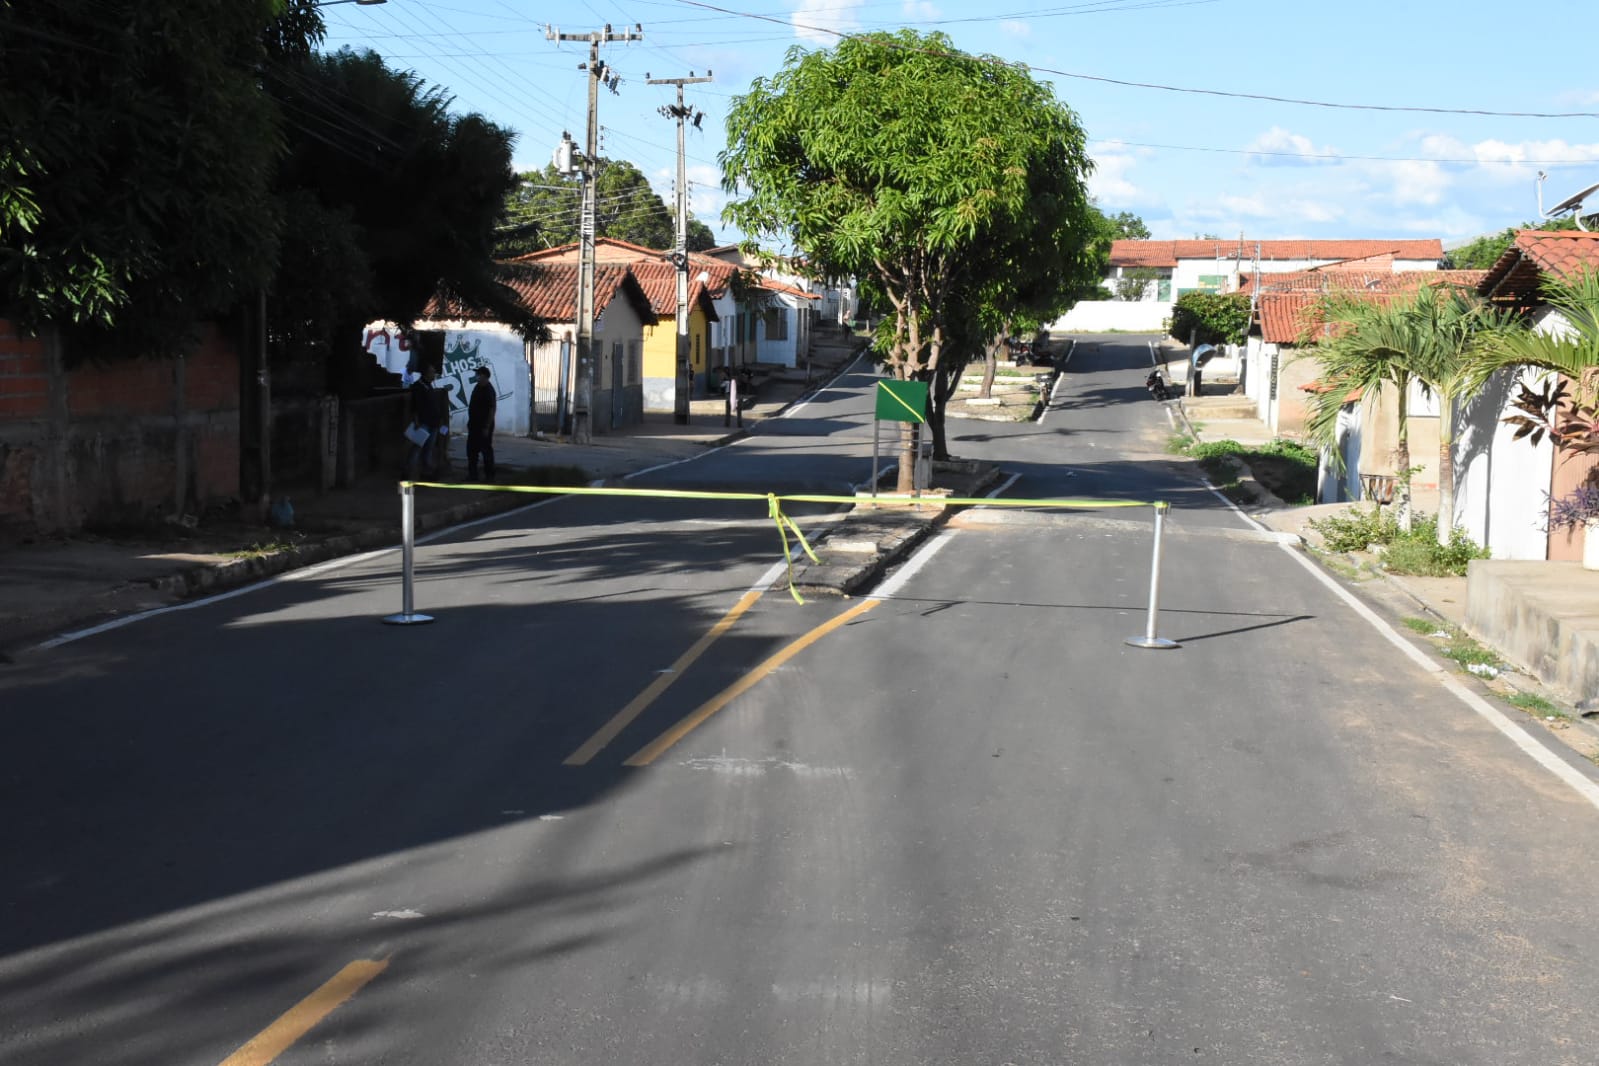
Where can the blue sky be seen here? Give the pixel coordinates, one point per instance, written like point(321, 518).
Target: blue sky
point(1188, 162)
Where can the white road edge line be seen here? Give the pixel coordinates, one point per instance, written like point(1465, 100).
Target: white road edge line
point(1517, 734)
point(797, 408)
point(887, 589)
point(299, 574)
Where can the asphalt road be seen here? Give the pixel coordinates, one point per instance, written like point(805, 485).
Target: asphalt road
point(611, 808)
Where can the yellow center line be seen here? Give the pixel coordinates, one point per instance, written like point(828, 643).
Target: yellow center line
point(276, 1038)
point(635, 707)
point(650, 752)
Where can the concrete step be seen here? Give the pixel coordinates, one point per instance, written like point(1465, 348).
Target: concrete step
point(1218, 407)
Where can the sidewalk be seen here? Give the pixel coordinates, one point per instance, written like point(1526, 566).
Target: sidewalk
point(54, 586)
point(1540, 618)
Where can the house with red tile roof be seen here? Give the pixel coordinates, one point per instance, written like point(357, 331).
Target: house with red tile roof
point(1504, 485)
point(536, 383)
point(1213, 265)
point(711, 302)
point(1280, 378)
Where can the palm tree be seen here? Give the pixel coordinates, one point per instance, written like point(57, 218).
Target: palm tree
point(1572, 351)
point(1431, 336)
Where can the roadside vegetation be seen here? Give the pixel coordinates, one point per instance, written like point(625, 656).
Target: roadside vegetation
point(1285, 467)
point(1416, 551)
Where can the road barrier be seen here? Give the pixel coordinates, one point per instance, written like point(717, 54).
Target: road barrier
point(785, 527)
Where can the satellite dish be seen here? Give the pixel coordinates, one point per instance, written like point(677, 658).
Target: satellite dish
point(1571, 204)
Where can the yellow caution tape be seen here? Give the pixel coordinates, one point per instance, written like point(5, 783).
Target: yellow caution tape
point(774, 501)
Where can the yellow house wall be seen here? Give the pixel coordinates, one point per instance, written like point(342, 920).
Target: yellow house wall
point(660, 345)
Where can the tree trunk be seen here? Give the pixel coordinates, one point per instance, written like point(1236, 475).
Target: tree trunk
point(944, 386)
point(1446, 466)
point(990, 365)
point(906, 481)
point(1402, 455)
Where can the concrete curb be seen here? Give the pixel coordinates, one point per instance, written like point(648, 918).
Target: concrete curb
point(882, 537)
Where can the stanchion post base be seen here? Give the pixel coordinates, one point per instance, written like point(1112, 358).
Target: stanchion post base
point(1151, 642)
point(406, 619)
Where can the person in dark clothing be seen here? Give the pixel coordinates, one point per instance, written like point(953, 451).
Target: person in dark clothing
point(427, 412)
point(480, 426)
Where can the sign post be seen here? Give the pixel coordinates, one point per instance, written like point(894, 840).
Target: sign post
point(897, 401)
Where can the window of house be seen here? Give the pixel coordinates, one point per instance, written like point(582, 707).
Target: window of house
point(777, 325)
point(1163, 289)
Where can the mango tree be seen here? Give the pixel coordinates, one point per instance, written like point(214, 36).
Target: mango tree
point(899, 160)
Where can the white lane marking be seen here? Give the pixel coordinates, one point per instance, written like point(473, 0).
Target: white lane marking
point(551, 817)
point(834, 992)
point(1518, 736)
point(406, 915)
point(299, 574)
point(732, 767)
point(920, 559)
point(1008, 483)
point(1050, 403)
point(797, 408)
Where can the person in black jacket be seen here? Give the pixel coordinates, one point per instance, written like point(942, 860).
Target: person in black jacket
point(428, 410)
point(480, 426)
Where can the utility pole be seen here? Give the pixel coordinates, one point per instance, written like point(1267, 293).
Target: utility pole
point(685, 374)
point(582, 417)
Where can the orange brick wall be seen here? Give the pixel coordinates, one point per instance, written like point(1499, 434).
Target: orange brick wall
point(114, 443)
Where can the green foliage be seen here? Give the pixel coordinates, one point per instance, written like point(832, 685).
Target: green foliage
point(1468, 652)
point(951, 184)
point(1285, 467)
point(1416, 551)
point(544, 209)
point(1424, 626)
point(1484, 252)
point(136, 165)
point(1534, 704)
point(1213, 317)
point(1356, 528)
point(400, 205)
point(1135, 282)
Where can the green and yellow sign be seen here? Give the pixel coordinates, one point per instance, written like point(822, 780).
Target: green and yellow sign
point(902, 401)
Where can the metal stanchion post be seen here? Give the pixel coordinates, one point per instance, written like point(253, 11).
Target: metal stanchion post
point(1149, 639)
point(407, 615)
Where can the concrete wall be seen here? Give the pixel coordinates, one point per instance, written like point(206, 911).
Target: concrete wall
point(1501, 483)
point(112, 443)
point(1100, 316)
point(467, 346)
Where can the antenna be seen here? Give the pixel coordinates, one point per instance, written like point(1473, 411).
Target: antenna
point(1572, 203)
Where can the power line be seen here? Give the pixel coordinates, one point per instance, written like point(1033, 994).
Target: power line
point(841, 34)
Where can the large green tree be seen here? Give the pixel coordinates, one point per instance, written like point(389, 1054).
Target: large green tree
point(900, 160)
point(542, 211)
point(391, 198)
point(136, 164)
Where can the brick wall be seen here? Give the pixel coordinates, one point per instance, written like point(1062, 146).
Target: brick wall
point(126, 442)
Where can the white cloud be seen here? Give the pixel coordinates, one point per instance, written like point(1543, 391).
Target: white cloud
point(1279, 147)
point(814, 18)
point(1016, 28)
point(1579, 97)
point(920, 11)
point(1109, 183)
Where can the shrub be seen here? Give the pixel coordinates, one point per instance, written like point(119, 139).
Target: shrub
point(1212, 317)
point(1416, 552)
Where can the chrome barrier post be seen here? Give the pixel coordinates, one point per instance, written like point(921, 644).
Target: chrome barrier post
point(407, 615)
point(1149, 639)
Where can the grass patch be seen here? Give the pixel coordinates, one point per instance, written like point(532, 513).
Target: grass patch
point(1285, 467)
point(1416, 552)
point(1537, 705)
point(1468, 652)
point(1178, 444)
point(1420, 625)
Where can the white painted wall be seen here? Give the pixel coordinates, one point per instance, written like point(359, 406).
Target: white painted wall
point(468, 345)
point(1501, 485)
point(1189, 271)
point(1100, 316)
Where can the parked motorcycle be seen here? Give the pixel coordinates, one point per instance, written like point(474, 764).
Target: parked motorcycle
point(1156, 384)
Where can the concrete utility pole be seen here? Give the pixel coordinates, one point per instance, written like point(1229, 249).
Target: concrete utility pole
point(582, 418)
point(685, 375)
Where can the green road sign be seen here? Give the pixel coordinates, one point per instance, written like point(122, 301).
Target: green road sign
point(902, 401)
